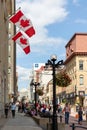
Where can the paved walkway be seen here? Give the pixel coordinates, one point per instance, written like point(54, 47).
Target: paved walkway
point(20, 122)
point(72, 120)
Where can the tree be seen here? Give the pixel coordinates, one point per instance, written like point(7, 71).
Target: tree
point(62, 79)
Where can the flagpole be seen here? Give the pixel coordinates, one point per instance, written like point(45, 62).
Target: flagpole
point(19, 30)
point(13, 13)
point(14, 86)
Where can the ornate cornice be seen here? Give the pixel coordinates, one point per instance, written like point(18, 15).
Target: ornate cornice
point(73, 55)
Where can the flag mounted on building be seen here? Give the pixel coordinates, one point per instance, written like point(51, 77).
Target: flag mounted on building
point(22, 41)
point(25, 24)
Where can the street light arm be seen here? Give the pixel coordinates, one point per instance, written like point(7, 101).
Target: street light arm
point(38, 84)
point(35, 84)
point(60, 63)
point(48, 63)
point(31, 84)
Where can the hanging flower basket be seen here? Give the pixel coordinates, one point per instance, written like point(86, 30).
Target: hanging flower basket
point(39, 92)
point(62, 79)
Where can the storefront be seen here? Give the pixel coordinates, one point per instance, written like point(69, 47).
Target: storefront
point(72, 98)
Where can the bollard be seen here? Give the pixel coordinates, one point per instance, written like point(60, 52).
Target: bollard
point(73, 126)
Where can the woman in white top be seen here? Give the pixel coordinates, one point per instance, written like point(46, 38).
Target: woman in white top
point(67, 112)
point(13, 108)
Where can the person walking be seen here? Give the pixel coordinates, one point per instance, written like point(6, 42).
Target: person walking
point(6, 108)
point(67, 112)
point(80, 113)
point(13, 108)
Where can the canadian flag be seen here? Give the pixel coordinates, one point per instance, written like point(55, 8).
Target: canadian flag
point(22, 41)
point(22, 22)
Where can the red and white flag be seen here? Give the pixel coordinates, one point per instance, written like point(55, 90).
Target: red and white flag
point(22, 22)
point(22, 41)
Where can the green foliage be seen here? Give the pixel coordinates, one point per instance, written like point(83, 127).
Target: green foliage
point(39, 92)
point(62, 79)
point(64, 100)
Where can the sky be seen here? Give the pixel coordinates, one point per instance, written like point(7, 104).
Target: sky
point(55, 22)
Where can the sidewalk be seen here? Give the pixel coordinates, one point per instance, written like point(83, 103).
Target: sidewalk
point(75, 121)
point(20, 122)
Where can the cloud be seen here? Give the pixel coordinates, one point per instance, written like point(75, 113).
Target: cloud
point(42, 14)
point(47, 44)
point(23, 73)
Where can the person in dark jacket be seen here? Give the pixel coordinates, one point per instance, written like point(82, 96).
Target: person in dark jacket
point(80, 113)
point(6, 108)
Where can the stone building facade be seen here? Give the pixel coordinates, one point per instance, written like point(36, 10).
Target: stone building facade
point(6, 9)
point(76, 67)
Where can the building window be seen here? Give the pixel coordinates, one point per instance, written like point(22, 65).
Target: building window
point(9, 48)
point(9, 59)
point(9, 70)
point(81, 80)
point(9, 26)
point(36, 65)
point(81, 65)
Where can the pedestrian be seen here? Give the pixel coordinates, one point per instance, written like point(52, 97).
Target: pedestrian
point(80, 113)
point(23, 107)
point(6, 108)
point(67, 113)
point(59, 108)
point(13, 108)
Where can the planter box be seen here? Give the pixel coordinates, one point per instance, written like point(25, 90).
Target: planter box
point(60, 126)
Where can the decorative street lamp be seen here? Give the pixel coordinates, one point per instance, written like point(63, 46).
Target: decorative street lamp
point(54, 65)
point(35, 96)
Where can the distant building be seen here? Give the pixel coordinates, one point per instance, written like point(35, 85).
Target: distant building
point(23, 95)
point(42, 76)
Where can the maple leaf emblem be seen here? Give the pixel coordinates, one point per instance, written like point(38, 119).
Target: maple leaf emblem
point(23, 41)
point(24, 23)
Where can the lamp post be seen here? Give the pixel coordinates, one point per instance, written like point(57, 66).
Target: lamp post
point(54, 65)
point(35, 96)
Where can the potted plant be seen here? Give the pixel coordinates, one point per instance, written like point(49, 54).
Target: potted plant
point(62, 79)
point(39, 92)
